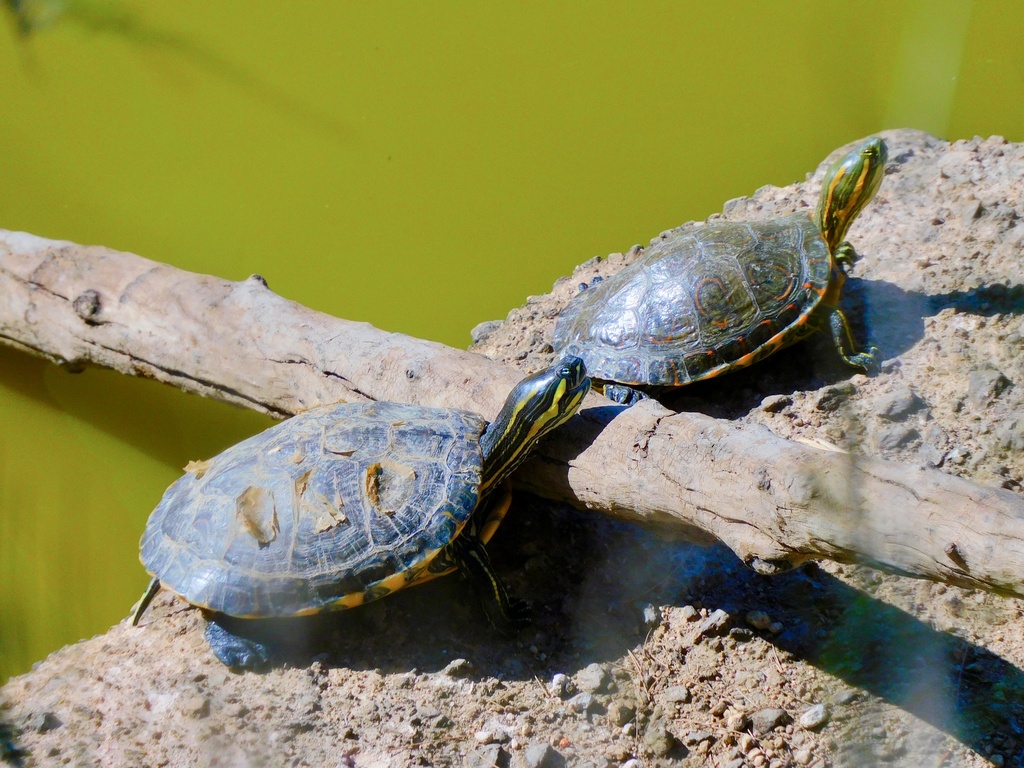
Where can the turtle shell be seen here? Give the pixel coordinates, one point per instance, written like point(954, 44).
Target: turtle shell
point(701, 301)
point(330, 509)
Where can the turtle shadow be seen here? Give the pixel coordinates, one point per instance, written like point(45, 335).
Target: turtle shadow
point(881, 314)
point(545, 554)
point(591, 583)
point(895, 317)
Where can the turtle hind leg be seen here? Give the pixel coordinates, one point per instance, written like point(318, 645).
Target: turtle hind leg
point(235, 650)
point(505, 614)
point(868, 360)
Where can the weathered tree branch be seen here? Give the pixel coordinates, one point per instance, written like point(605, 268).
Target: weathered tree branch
point(774, 502)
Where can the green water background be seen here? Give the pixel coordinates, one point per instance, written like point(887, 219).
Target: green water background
point(421, 166)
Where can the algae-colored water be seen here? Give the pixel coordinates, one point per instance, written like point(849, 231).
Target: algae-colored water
point(422, 167)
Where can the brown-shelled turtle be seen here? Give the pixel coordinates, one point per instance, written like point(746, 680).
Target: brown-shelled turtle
point(344, 504)
point(722, 295)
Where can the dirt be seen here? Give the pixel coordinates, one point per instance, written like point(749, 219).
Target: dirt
point(641, 651)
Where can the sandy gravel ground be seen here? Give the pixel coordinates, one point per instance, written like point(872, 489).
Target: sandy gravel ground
point(641, 651)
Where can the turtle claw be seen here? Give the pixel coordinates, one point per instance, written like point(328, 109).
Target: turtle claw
point(869, 360)
point(846, 255)
point(511, 618)
point(620, 393)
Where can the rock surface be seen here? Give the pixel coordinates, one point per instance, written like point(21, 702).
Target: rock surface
point(909, 673)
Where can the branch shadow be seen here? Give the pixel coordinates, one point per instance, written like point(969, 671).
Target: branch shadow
point(111, 19)
point(957, 686)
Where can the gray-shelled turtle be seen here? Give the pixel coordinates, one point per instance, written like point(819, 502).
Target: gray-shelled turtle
point(345, 504)
point(723, 295)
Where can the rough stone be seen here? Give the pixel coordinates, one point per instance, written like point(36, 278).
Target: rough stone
point(540, 755)
point(831, 398)
point(620, 712)
point(593, 678)
point(768, 719)
point(676, 694)
point(899, 404)
point(985, 384)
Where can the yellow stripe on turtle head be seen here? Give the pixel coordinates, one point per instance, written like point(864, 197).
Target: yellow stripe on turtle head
point(534, 407)
point(849, 185)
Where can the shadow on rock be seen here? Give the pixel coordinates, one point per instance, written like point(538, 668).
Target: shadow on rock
point(954, 685)
point(880, 313)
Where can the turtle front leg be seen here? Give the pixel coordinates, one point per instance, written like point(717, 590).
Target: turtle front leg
point(620, 393)
point(505, 614)
point(868, 360)
point(232, 649)
point(846, 256)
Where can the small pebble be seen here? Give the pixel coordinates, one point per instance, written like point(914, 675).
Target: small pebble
point(677, 693)
point(620, 713)
point(714, 623)
point(593, 678)
point(985, 384)
point(737, 722)
point(582, 702)
point(47, 721)
point(831, 398)
point(776, 403)
point(657, 738)
point(541, 755)
point(759, 619)
point(899, 404)
point(457, 668)
point(814, 717)
point(844, 697)
point(766, 720)
point(652, 617)
point(689, 613)
point(696, 737)
point(802, 756)
point(481, 331)
point(196, 706)
point(561, 686)
point(896, 436)
point(1010, 435)
point(484, 756)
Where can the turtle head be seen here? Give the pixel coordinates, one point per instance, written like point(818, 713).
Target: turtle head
point(849, 185)
point(534, 407)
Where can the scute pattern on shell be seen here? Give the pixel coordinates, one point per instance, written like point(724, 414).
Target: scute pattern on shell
point(699, 301)
point(407, 479)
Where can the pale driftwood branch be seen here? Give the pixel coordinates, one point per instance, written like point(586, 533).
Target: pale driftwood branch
point(774, 502)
